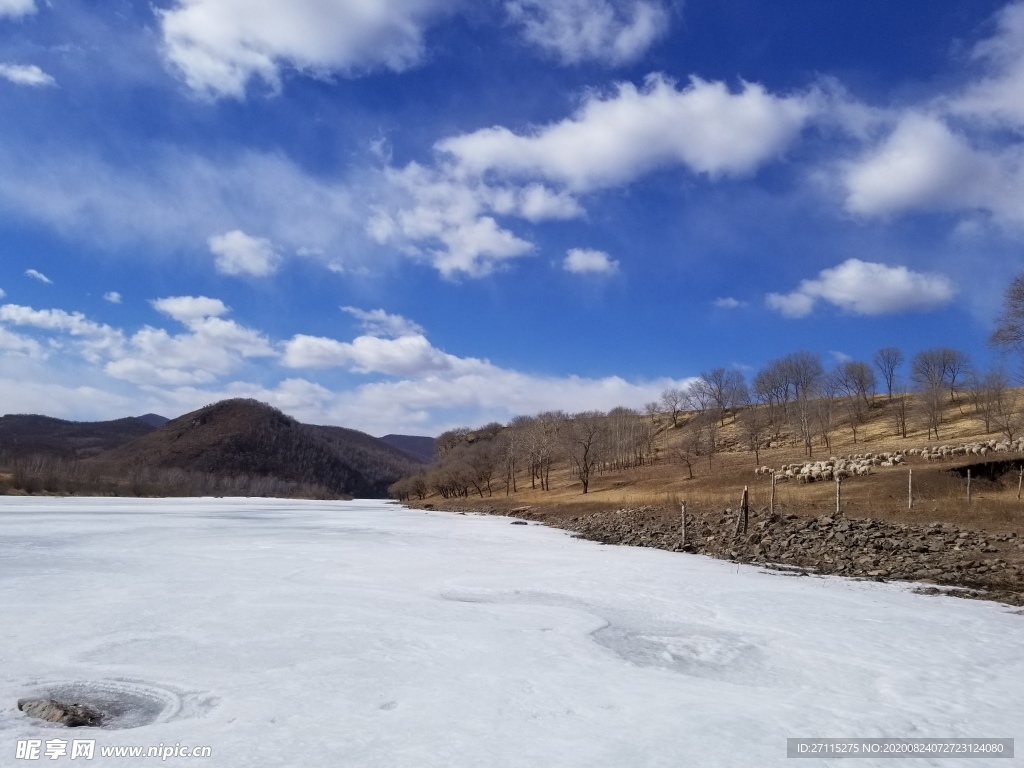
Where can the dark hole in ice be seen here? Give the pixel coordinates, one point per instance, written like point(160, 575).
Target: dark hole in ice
point(108, 705)
point(71, 714)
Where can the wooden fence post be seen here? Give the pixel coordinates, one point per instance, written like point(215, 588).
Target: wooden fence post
point(968, 487)
point(1020, 481)
point(684, 524)
point(910, 489)
point(839, 494)
point(771, 502)
point(741, 518)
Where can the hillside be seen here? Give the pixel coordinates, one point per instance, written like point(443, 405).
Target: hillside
point(714, 480)
point(154, 419)
point(23, 435)
point(251, 440)
point(414, 445)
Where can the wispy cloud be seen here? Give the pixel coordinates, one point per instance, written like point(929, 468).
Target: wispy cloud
point(240, 254)
point(728, 302)
point(37, 275)
point(584, 261)
point(16, 8)
point(575, 31)
point(866, 288)
point(26, 74)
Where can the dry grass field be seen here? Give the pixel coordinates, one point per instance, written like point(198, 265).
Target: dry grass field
point(940, 493)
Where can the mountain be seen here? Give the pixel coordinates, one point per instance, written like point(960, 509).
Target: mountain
point(414, 445)
point(248, 439)
point(23, 435)
point(153, 419)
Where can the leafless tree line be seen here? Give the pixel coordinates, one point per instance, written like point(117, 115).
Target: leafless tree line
point(524, 451)
point(48, 474)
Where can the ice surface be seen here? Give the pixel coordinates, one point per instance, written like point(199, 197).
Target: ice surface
point(363, 634)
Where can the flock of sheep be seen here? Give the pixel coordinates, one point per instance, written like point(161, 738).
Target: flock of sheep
point(970, 449)
point(834, 468)
point(842, 467)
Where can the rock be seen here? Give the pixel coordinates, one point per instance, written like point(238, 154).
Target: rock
point(518, 522)
point(73, 715)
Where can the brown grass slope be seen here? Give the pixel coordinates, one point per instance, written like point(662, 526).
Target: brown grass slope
point(246, 437)
point(718, 481)
point(24, 435)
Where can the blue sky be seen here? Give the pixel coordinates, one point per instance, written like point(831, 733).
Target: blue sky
point(404, 215)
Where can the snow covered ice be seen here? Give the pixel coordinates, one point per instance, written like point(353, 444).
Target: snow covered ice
point(286, 633)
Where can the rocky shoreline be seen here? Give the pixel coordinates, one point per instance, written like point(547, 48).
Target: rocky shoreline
point(967, 563)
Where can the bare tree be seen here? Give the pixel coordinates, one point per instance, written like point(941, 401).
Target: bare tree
point(854, 380)
point(825, 405)
point(887, 360)
point(939, 367)
point(930, 401)
point(900, 406)
point(674, 400)
point(958, 364)
point(652, 409)
point(754, 425)
point(711, 421)
point(726, 388)
point(1004, 405)
point(585, 437)
point(1009, 332)
point(691, 444)
point(772, 386)
point(857, 380)
point(805, 373)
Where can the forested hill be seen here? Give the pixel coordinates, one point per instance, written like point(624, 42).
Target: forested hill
point(246, 438)
point(24, 435)
point(415, 445)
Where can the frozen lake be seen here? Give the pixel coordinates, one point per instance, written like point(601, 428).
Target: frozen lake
point(310, 634)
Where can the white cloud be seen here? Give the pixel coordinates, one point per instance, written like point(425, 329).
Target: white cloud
point(377, 322)
point(609, 31)
point(448, 214)
point(218, 46)
point(866, 288)
point(16, 8)
point(410, 383)
point(113, 297)
point(958, 152)
point(37, 275)
point(445, 221)
point(179, 200)
point(93, 341)
point(240, 254)
point(581, 261)
point(19, 344)
point(922, 164)
point(26, 74)
point(212, 348)
point(728, 302)
point(998, 97)
point(614, 139)
point(185, 309)
point(403, 356)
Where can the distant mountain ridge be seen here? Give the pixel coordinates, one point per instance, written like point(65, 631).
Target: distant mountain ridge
point(233, 446)
point(29, 434)
point(249, 438)
point(153, 419)
point(414, 445)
